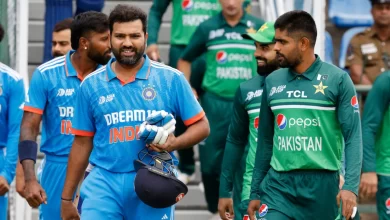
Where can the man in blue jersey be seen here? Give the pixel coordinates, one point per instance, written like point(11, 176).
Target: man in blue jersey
point(112, 104)
point(51, 98)
point(12, 96)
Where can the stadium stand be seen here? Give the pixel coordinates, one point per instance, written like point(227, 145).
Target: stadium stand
point(347, 36)
point(350, 13)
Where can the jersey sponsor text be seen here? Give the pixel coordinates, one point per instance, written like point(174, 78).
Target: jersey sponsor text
point(299, 143)
point(127, 116)
point(234, 73)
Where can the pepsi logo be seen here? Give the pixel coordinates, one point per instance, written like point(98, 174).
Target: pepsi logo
point(281, 121)
point(354, 102)
point(263, 210)
point(187, 5)
point(256, 123)
point(179, 197)
point(388, 204)
point(221, 57)
point(246, 217)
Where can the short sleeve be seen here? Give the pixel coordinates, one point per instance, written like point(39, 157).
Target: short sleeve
point(83, 121)
point(37, 94)
point(186, 105)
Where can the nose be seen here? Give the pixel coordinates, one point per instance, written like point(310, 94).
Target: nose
point(127, 42)
point(277, 46)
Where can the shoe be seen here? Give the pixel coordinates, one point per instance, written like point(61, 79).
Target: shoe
point(185, 178)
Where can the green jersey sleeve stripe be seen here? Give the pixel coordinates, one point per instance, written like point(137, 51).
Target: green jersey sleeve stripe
point(254, 111)
point(303, 107)
point(312, 101)
point(235, 46)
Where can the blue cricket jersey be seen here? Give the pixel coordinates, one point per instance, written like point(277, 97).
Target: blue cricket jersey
point(52, 93)
point(12, 96)
point(111, 110)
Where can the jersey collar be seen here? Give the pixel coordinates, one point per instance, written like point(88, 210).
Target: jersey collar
point(69, 69)
point(309, 73)
point(142, 73)
point(243, 19)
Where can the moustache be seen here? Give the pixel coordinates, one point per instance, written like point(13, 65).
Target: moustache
point(261, 58)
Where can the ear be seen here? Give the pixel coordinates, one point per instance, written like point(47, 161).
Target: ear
point(83, 43)
point(304, 44)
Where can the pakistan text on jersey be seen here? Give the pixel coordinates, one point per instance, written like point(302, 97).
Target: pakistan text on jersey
point(234, 73)
point(127, 116)
point(299, 143)
point(194, 20)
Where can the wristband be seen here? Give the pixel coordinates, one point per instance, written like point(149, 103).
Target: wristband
point(28, 150)
point(68, 200)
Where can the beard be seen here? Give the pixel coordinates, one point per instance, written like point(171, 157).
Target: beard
point(268, 68)
point(57, 54)
point(99, 58)
point(129, 60)
point(289, 63)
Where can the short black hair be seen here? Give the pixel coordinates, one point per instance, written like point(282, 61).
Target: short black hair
point(298, 22)
point(63, 25)
point(127, 13)
point(86, 22)
point(1, 32)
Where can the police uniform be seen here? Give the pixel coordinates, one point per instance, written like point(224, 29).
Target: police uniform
point(305, 119)
point(229, 62)
point(376, 140)
point(12, 96)
point(105, 112)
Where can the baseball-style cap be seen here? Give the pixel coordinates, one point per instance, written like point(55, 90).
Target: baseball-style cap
point(156, 183)
point(379, 1)
point(265, 35)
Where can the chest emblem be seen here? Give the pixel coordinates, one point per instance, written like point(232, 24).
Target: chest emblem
point(320, 88)
point(149, 93)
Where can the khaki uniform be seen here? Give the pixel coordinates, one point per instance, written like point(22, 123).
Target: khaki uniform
point(368, 50)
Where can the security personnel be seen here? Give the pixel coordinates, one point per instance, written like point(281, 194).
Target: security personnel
point(376, 152)
point(187, 15)
point(229, 61)
point(368, 54)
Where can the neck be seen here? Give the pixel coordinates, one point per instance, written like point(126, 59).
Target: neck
point(82, 64)
point(383, 32)
point(306, 63)
point(127, 71)
point(233, 19)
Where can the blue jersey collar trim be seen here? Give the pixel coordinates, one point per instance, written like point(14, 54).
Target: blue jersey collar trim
point(70, 70)
point(143, 73)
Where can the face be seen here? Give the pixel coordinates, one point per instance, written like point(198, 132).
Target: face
point(381, 14)
point(60, 43)
point(266, 58)
point(287, 51)
point(231, 7)
point(99, 49)
point(128, 42)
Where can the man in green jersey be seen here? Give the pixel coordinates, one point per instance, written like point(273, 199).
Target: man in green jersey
point(229, 61)
point(241, 143)
point(187, 15)
point(308, 110)
point(376, 142)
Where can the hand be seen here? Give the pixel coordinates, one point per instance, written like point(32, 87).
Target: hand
point(253, 206)
point(168, 146)
point(341, 182)
point(225, 208)
point(69, 211)
point(4, 186)
point(368, 184)
point(35, 195)
point(348, 199)
point(153, 52)
point(20, 185)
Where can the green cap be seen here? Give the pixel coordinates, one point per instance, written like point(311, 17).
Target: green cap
point(265, 35)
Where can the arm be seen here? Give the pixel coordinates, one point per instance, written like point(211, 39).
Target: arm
point(357, 76)
point(155, 16)
point(235, 146)
point(264, 145)
point(19, 180)
point(78, 160)
point(349, 119)
point(355, 62)
point(15, 112)
point(194, 49)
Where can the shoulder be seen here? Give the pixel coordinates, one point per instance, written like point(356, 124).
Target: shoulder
point(362, 36)
point(95, 76)
point(384, 77)
point(10, 73)
point(163, 70)
point(276, 75)
point(332, 70)
point(51, 65)
point(256, 20)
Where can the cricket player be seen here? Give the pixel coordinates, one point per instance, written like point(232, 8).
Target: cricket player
point(376, 152)
point(112, 104)
point(241, 144)
point(229, 61)
point(12, 96)
point(308, 110)
point(51, 98)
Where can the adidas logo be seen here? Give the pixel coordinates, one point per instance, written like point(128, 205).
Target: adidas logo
point(164, 217)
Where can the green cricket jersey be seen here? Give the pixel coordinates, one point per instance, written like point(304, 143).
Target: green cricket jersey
point(242, 136)
point(187, 15)
point(376, 127)
point(229, 57)
point(305, 118)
